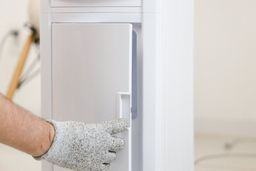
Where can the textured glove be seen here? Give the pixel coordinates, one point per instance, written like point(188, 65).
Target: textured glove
point(85, 147)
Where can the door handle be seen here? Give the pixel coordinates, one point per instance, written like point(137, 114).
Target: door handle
point(124, 106)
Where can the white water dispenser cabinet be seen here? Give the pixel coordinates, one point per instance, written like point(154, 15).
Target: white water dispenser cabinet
point(102, 60)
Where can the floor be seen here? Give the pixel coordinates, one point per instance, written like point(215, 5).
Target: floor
point(224, 153)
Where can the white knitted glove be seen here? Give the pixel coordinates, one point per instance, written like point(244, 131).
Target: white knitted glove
point(85, 147)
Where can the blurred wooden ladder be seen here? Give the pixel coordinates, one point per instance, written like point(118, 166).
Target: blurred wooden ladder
point(21, 63)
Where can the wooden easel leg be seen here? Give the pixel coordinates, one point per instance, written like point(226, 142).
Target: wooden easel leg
point(19, 67)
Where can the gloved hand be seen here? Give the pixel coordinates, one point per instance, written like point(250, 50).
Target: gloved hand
point(85, 147)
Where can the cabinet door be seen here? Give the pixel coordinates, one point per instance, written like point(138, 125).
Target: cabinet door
point(91, 76)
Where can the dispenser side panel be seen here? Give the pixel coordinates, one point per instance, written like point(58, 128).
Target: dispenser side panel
point(90, 65)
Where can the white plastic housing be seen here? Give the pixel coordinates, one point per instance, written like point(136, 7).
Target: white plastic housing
point(162, 126)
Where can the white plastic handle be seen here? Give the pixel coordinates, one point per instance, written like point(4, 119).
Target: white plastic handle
point(124, 105)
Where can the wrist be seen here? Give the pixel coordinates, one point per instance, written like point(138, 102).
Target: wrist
point(45, 145)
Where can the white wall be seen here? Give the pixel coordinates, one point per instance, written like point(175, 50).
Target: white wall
point(13, 15)
point(225, 65)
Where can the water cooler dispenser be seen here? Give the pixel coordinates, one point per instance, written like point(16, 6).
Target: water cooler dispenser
point(99, 62)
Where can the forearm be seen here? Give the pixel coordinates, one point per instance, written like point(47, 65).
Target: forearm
point(22, 130)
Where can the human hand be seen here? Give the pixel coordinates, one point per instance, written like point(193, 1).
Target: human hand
point(85, 147)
